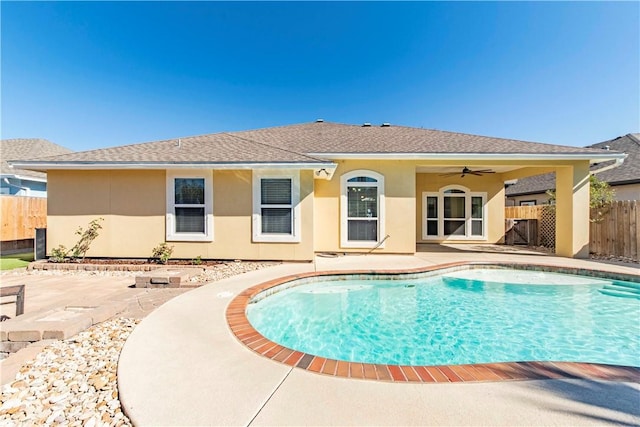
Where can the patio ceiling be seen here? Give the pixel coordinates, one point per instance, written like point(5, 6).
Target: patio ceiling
point(457, 168)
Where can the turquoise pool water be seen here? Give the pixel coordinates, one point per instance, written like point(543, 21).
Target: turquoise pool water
point(470, 316)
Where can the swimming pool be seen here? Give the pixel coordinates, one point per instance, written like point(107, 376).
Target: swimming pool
point(460, 317)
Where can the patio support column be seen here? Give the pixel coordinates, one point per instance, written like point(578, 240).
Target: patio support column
point(572, 210)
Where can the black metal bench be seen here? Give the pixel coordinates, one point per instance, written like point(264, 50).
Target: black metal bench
point(13, 291)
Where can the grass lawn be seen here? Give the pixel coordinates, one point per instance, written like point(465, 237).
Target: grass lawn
point(9, 262)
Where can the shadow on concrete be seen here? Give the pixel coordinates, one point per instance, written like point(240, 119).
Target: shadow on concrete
point(620, 397)
point(474, 248)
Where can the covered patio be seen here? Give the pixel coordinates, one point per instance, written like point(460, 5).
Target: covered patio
point(434, 180)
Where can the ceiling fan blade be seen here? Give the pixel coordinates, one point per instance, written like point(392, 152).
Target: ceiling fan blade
point(449, 174)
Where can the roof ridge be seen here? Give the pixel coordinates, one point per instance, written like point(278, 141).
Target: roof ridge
point(633, 138)
point(272, 146)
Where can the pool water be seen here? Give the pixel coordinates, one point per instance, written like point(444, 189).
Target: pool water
point(469, 316)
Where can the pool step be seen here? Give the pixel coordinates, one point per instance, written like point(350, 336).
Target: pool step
point(624, 290)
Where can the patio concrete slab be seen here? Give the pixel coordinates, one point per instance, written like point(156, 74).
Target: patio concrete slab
point(186, 358)
point(51, 291)
point(182, 366)
point(47, 297)
point(310, 399)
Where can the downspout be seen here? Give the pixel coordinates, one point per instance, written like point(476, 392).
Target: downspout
point(617, 163)
point(27, 190)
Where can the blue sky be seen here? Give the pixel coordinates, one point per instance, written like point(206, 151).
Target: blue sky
point(98, 74)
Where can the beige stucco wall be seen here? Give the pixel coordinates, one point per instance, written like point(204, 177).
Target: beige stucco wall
point(133, 205)
point(400, 206)
point(627, 192)
point(132, 202)
point(492, 184)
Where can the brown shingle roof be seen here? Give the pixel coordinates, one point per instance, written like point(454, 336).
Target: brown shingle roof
point(307, 142)
point(627, 173)
point(213, 148)
point(340, 138)
point(27, 148)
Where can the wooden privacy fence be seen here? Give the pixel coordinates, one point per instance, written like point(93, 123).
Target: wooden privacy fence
point(617, 231)
point(21, 216)
point(522, 212)
point(545, 224)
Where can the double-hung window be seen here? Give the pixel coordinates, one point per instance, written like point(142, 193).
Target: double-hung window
point(189, 206)
point(454, 213)
point(276, 206)
point(362, 209)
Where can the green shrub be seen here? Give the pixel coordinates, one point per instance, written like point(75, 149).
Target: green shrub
point(79, 250)
point(162, 253)
point(59, 254)
point(86, 238)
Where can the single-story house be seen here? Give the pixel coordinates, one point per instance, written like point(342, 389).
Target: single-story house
point(625, 179)
point(288, 192)
point(24, 182)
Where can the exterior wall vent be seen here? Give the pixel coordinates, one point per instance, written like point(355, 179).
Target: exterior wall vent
point(385, 125)
point(366, 125)
point(319, 120)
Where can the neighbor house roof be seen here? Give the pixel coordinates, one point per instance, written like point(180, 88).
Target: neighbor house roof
point(27, 148)
point(312, 144)
point(627, 173)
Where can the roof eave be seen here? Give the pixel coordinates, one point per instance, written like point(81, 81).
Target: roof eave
point(327, 168)
point(593, 158)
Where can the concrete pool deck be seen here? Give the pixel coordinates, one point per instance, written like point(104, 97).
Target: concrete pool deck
point(183, 366)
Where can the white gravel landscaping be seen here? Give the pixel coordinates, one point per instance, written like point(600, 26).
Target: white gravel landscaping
point(73, 382)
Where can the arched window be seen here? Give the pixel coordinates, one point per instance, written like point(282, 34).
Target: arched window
point(454, 213)
point(361, 209)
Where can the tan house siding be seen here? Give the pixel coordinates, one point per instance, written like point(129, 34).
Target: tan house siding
point(400, 197)
point(133, 205)
point(627, 192)
point(491, 184)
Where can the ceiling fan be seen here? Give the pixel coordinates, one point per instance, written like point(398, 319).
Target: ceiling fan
point(467, 171)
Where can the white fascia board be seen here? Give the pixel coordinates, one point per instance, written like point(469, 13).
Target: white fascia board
point(594, 158)
point(166, 165)
point(23, 177)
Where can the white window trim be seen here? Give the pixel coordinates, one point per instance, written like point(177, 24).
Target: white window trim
point(344, 208)
point(467, 206)
point(258, 235)
point(171, 235)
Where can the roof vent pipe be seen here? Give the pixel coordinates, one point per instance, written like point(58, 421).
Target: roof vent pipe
point(319, 120)
point(366, 125)
point(385, 125)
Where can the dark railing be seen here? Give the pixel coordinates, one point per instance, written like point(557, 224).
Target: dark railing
point(13, 291)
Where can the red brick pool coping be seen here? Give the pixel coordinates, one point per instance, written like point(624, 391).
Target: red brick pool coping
point(250, 337)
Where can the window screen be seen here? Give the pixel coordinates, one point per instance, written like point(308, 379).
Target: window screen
point(276, 211)
point(189, 204)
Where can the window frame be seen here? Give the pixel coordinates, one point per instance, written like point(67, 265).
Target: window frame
point(527, 203)
point(344, 208)
point(171, 234)
point(468, 218)
point(257, 234)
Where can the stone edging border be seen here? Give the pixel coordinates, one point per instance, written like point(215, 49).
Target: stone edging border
point(72, 266)
point(246, 334)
